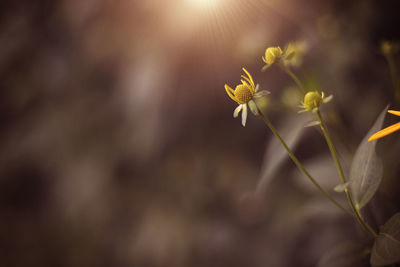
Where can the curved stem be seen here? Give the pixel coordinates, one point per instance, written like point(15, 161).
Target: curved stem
point(356, 210)
point(293, 76)
point(300, 166)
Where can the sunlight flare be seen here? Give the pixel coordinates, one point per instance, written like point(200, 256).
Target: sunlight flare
point(204, 4)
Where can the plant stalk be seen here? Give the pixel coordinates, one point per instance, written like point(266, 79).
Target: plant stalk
point(332, 149)
point(293, 76)
point(300, 166)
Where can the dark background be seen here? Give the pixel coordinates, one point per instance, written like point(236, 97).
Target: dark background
point(118, 146)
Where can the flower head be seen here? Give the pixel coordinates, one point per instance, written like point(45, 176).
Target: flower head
point(272, 54)
point(244, 94)
point(313, 99)
point(388, 130)
point(388, 48)
point(294, 52)
point(291, 55)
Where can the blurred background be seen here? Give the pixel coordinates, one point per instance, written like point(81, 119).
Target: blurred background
point(118, 146)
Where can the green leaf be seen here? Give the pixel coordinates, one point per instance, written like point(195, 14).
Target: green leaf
point(366, 169)
point(386, 248)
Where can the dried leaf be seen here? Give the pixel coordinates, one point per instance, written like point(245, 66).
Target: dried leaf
point(386, 248)
point(275, 154)
point(366, 169)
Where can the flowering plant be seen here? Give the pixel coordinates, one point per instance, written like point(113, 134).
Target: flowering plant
point(366, 168)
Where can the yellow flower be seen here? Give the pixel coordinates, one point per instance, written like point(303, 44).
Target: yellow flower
point(291, 55)
point(294, 52)
point(388, 48)
point(272, 54)
point(244, 94)
point(388, 130)
point(312, 101)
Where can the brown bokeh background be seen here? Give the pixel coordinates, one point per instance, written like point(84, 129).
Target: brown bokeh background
point(118, 146)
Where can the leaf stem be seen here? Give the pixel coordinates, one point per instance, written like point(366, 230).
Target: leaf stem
point(300, 166)
point(356, 209)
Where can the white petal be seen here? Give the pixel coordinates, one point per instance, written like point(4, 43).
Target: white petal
point(237, 110)
point(244, 115)
point(341, 187)
point(327, 99)
point(257, 87)
point(261, 93)
point(253, 107)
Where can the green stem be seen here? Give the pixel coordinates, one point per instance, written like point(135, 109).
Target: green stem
point(294, 77)
point(299, 165)
point(356, 210)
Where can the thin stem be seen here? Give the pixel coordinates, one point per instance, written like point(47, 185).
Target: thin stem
point(356, 210)
point(300, 166)
point(293, 76)
point(393, 74)
point(396, 88)
point(331, 147)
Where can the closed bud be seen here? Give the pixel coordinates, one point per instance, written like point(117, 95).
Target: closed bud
point(312, 100)
point(272, 54)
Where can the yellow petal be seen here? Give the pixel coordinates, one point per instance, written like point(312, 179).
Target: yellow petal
point(251, 78)
point(227, 87)
point(386, 131)
point(264, 59)
point(245, 83)
point(394, 112)
point(247, 79)
point(230, 92)
point(251, 88)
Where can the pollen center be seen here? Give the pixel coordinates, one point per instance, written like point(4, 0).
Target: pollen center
point(243, 94)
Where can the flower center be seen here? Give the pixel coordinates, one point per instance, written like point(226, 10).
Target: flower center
point(243, 93)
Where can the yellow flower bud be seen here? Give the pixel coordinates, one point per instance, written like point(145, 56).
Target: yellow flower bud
point(312, 100)
point(294, 52)
point(387, 48)
point(272, 54)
